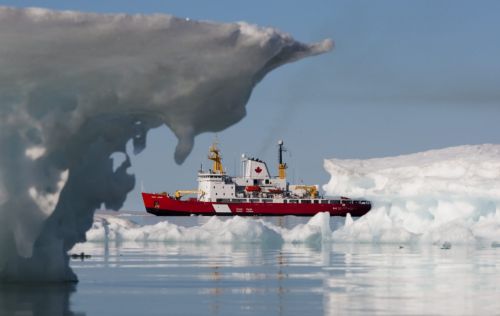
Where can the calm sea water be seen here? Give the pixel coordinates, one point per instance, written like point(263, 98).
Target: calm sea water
point(224, 279)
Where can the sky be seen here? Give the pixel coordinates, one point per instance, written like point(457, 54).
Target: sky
point(404, 77)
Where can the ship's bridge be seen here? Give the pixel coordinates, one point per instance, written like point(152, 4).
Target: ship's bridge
point(215, 186)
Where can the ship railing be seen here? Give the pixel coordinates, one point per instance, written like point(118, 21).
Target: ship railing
point(292, 201)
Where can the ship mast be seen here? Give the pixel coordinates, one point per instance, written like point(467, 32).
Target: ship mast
point(281, 165)
point(215, 156)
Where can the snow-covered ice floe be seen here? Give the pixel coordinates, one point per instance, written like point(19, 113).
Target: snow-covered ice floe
point(234, 230)
point(450, 195)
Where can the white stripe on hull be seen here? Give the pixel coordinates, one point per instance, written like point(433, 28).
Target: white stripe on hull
point(221, 208)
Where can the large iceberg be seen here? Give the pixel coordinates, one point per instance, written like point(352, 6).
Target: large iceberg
point(76, 87)
point(450, 195)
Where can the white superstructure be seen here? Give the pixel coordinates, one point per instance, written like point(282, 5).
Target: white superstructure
point(255, 182)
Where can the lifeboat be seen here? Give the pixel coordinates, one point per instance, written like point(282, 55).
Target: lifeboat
point(253, 188)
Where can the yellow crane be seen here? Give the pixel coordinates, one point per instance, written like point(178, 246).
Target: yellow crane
point(180, 193)
point(215, 156)
point(312, 190)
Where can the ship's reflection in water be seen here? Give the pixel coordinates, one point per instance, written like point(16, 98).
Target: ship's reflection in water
point(36, 299)
point(320, 279)
point(260, 279)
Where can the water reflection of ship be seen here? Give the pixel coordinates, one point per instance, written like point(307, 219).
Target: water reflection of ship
point(216, 290)
point(216, 276)
point(220, 284)
point(281, 276)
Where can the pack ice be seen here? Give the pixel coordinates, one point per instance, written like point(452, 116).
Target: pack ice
point(236, 230)
point(441, 196)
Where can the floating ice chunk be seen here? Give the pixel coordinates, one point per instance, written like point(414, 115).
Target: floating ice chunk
point(236, 230)
point(316, 230)
point(348, 220)
point(487, 228)
point(376, 226)
point(452, 195)
point(457, 232)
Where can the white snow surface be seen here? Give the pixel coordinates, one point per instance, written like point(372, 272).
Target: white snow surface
point(448, 195)
point(237, 230)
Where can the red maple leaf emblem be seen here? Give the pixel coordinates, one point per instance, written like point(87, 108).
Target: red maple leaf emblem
point(258, 169)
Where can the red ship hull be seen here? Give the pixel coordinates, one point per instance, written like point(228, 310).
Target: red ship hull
point(164, 205)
